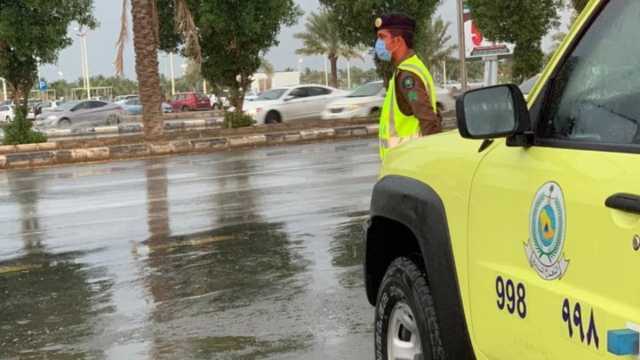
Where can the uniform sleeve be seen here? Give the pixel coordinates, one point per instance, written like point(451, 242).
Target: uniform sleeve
point(414, 93)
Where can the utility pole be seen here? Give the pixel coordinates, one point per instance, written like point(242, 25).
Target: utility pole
point(461, 46)
point(85, 60)
point(173, 75)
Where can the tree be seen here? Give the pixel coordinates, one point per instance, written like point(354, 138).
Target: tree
point(435, 47)
point(356, 20)
point(157, 24)
point(145, 43)
point(233, 45)
point(321, 37)
point(34, 33)
point(579, 5)
point(521, 22)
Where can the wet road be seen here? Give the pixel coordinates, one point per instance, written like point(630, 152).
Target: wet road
point(239, 255)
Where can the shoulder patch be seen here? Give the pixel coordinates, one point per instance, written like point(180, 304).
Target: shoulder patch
point(409, 82)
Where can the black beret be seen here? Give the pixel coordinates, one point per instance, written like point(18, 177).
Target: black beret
point(395, 22)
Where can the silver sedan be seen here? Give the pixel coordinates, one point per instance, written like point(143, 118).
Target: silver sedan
point(76, 114)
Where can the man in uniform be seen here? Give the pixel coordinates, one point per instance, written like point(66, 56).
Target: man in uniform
point(410, 107)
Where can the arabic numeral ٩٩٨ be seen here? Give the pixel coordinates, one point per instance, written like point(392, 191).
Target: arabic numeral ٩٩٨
point(575, 319)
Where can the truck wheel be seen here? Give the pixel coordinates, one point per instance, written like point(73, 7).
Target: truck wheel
point(406, 326)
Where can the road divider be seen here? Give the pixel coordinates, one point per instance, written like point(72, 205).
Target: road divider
point(57, 153)
point(133, 146)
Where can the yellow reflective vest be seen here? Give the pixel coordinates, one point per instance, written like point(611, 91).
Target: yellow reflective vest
point(396, 127)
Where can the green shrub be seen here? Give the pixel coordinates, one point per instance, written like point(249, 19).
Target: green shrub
point(19, 131)
point(237, 120)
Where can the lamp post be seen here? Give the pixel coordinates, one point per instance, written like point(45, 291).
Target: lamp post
point(173, 75)
point(85, 60)
point(461, 47)
point(300, 60)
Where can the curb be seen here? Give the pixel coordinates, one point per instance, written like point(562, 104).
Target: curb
point(135, 127)
point(50, 154)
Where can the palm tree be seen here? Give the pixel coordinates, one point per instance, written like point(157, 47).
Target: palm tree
point(146, 40)
point(321, 38)
point(435, 47)
point(145, 43)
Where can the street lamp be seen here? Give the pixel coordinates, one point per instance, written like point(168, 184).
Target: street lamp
point(461, 47)
point(85, 61)
point(173, 75)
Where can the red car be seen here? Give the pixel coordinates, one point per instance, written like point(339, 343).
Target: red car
point(190, 101)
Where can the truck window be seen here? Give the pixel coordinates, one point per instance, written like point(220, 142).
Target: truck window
point(595, 97)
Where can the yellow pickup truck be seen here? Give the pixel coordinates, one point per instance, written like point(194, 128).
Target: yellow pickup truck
point(518, 237)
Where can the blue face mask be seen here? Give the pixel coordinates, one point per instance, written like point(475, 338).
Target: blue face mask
point(381, 51)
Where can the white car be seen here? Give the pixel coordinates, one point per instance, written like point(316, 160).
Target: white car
point(364, 101)
point(291, 103)
point(6, 113)
point(49, 106)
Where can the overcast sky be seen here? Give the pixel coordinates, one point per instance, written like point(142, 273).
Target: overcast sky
point(101, 45)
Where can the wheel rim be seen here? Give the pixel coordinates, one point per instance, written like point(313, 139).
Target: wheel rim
point(403, 337)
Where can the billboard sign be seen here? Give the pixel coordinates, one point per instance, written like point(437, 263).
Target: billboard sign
point(477, 46)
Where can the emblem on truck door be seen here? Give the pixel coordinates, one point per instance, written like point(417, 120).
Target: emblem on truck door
point(547, 231)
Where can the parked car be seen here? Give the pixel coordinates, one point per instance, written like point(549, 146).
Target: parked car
point(217, 103)
point(85, 113)
point(133, 106)
point(122, 98)
point(190, 101)
point(6, 113)
point(251, 96)
point(48, 106)
point(364, 101)
point(292, 103)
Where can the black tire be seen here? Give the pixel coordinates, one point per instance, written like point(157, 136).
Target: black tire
point(64, 123)
point(184, 109)
point(374, 113)
point(405, 283)
point(273, 117)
